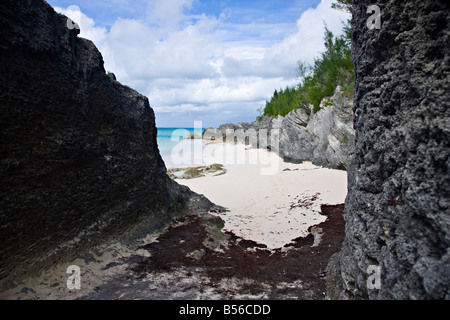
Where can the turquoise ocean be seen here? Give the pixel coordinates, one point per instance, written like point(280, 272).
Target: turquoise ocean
point(175, 151)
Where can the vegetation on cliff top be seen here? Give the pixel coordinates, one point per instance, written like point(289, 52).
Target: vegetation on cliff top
point(334, 67)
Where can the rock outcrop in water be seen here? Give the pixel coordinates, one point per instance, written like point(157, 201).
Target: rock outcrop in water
point(79, 162)
point(326, 138)
point(397, 210)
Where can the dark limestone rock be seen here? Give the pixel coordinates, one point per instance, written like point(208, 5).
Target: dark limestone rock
point(397, 209)
point(79, 162)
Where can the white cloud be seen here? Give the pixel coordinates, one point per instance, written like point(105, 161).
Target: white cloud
point(86, 24)
point(308, 39)
point(280, 59)
point(203, 67)
point(217, 90)
point(135, 51)
point(168, 15)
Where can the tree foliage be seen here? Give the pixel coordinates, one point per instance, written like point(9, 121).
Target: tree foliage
point(343, 5)
point(283, 102)
point(332, 68)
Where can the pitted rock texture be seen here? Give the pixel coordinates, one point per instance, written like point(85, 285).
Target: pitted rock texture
point(397, 209)
point(79, 162)
point(326, 138)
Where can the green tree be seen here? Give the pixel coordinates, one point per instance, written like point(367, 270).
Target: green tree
point(343, 5)
point(332, 68)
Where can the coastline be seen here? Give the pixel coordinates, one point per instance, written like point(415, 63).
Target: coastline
point(293, 213)
point(269, 202)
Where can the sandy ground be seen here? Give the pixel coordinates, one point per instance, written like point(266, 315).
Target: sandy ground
point(96, 267)
point(269, 201)
point(269, 254)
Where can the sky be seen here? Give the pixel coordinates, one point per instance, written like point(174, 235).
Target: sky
point(215, 61)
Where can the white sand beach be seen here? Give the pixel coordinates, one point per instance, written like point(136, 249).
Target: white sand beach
point(269, 201)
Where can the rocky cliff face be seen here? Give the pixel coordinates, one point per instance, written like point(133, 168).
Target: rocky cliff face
point(397, 210)
point(326, 138)
point(79, 162)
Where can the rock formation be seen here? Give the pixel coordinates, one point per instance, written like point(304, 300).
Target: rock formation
point(79, 162)
point(397, 209)
point(197, 172)
point(326, 138)
point(191, 136)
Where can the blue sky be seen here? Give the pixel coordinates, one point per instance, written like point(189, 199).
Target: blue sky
point(213, 61)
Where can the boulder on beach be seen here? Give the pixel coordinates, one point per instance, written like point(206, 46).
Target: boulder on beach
point(192, 136)
point(192, 173)
point(213, 134)
point(196, 172)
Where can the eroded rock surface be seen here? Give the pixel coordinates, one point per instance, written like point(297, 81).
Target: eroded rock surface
point(326, 138)
point(397, 209)
point(79, 162)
